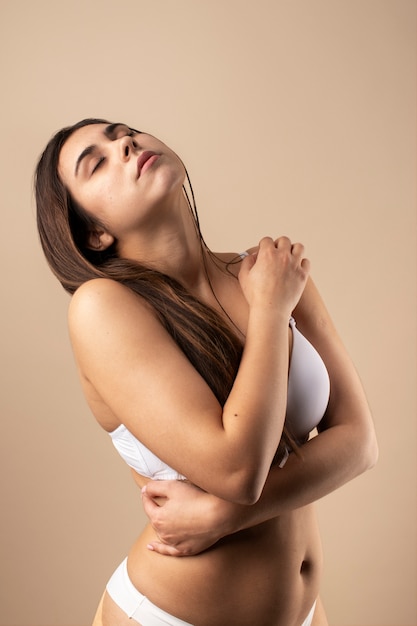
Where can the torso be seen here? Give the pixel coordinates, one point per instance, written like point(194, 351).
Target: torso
point(268, 575)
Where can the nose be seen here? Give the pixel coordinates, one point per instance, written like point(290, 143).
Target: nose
point(127, 146)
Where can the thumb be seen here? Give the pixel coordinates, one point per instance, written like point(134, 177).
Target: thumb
point(156, 489)
point(164, 548)
point(150, 507)
point(248, 262)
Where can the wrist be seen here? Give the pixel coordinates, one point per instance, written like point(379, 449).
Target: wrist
point(271, 311)
point(226, 517)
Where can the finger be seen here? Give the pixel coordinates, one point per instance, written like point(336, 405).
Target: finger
point(297, 249)
point(156, 488)
point(164, 548)
point(248, 262)
point(266, 241)
point(150, 506)
point(283, 242)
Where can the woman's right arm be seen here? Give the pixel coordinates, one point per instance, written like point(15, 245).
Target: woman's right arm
point(149, 385)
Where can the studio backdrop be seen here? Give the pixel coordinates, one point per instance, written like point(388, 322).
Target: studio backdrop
point(293, 118)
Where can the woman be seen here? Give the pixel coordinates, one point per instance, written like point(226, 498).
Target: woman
point(192, 362)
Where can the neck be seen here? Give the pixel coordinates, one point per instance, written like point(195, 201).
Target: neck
point(172, 246)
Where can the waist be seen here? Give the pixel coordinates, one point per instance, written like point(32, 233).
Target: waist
point(272, 569)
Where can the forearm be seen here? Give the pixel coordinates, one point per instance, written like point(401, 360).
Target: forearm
point(344, 448)
point(254, 413)
point(188, 520)
point(326, 463)
point(346, 445)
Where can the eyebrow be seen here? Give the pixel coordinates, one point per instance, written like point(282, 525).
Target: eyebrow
point(109, 132)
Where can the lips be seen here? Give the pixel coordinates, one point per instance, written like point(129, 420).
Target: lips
point(145, 160)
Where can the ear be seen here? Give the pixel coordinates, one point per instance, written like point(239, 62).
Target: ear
point(99, 240)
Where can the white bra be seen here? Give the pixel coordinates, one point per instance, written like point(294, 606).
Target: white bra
point(308, 395)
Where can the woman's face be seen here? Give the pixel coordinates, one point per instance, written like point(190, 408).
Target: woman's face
point(121, 178)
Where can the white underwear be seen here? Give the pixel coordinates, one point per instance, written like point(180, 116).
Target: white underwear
point(122, 591)
point(137, 606)
point(309, 619)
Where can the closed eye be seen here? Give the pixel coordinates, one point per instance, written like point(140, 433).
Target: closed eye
point(130, 133)
point(97, 165)
point(133, 133)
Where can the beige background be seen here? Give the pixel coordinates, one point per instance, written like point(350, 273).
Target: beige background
point(293, 117)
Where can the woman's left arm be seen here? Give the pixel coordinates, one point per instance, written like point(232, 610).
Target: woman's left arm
point(189, 520)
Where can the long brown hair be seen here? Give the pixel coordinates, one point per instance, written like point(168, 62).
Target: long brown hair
point(63, 225)
point(206, 339)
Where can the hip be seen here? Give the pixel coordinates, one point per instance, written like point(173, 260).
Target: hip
point(122, 603)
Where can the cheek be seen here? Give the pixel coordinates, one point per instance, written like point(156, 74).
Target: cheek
point(169, 178)
point(95, 203)
point(101, 196)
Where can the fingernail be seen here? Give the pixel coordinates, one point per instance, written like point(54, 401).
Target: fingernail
point(150, 547)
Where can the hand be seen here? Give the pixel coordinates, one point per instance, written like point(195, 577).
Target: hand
point(275, 274)
point(184, 517)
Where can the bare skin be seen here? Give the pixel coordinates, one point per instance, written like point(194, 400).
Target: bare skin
point(114, 615)
point(285, 553)
point(292, 535)
point(265, 566)
point(281, 559)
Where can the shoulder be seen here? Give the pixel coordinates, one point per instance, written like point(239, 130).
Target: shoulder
point(101, 292)
point(232, 260)
point(101, 305)
point(97, 288)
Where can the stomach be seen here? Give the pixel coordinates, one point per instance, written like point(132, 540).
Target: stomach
point(267, 575)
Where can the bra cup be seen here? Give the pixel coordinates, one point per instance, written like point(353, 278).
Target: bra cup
point(308, 387)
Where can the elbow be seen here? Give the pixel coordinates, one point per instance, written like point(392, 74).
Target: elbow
point(247, 496)
point(369, 452)
point(372, 453)
point(245, 487)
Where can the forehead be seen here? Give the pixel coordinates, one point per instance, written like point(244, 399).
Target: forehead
point(76, 142)
point(82, 138)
